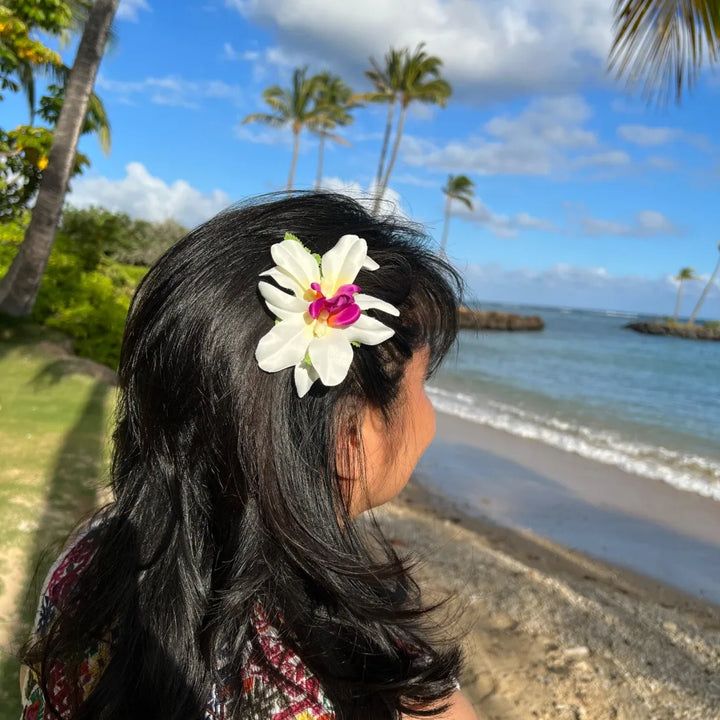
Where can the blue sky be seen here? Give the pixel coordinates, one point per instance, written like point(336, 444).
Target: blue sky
point(585, 196)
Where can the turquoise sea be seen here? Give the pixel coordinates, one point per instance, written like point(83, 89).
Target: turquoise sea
point(649, 405)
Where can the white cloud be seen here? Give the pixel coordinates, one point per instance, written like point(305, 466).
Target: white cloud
point(129, 9)
point(646, 224)
point(582, 287)
point(659, 162)
point(647, 136)
point(503, 226)
point(628, 106)
point(611, 158)
point(540, 140)
point(171, 90)
point(412, 179)
point(144, 196)
point(391, 202)
point(264, 135)
point(230, 53)
point(492, 49)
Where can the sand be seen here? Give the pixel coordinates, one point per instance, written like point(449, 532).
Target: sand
point(550, 631)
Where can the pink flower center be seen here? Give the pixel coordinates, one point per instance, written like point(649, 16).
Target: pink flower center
point(340, 310)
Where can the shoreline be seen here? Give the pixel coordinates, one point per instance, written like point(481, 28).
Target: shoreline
point(549, 632)
point(645, 525)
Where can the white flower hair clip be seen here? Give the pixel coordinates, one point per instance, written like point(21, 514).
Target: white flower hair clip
point(318, 324)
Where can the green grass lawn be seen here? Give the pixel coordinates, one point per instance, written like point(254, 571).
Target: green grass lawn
point(55, 416)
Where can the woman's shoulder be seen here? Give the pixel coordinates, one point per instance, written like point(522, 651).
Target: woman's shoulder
point(65, 573)
point(290, 691)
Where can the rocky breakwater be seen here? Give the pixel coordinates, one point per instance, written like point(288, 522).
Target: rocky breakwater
point(690, 332)
point(491, 320)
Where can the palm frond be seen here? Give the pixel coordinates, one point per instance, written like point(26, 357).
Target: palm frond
point(99, 122)
point(266, 119)
point(466, 201)
point(662, 44)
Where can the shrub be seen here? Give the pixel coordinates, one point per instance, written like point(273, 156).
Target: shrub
point(89, 305)
point(94, 232)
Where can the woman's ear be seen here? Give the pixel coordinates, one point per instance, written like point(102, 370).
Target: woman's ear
point(348, 459)
point(361, 454)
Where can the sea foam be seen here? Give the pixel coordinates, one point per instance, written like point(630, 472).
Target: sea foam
point(684, 471)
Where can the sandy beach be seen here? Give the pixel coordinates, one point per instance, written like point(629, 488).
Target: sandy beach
point(579, 591)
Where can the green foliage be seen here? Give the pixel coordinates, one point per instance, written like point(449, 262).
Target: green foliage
point(152, 240)
point(93, 233)
point(24, 150)
point(712, 324)
point(85, 292)
point(24, 155)
point(85, 305)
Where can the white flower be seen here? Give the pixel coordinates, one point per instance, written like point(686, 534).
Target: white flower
point(322, 316)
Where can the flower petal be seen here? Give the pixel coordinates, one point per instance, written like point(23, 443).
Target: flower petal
point(284, 345)
point(331, 356)
point(280, 303)
point(305, 376)
point(368, 302)
point(285, 280)
point(342, 263)
point(291, 256)
point(366, 330)
point(370, 264)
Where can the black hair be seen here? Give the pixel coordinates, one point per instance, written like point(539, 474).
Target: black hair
point(227, 493)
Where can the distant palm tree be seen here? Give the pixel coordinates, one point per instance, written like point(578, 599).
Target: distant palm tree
point(705, 291)
point(334, 100)
point(457, 187)
point(663, 43)
point(295, 106)
point(687, 273)
point(388, 85)
point(419, 81)
point(19, 287)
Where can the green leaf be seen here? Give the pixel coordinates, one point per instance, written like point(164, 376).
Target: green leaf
point(317, 257)
point(290, 236)
point(355, 343)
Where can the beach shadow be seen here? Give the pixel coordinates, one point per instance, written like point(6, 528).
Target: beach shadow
point(72, 493)
point(508, 494)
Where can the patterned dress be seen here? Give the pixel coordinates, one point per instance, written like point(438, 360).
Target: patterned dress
point(301, 698)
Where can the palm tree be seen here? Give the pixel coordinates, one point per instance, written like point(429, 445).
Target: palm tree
point(686, 273)
point(19, 287)
point(420, 81)
point(457, 187)
point(295, 106)
point(387, 81)
point(334, 100)
point(705, 291)
point(663, 43)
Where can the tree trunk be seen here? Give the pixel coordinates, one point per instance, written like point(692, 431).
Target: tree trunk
point(321, 153)
point(393, 157)
point(296, 147)
point(445, 228)
point(705, 292)
point(386, 142)
point(677, 304)
point(19, 287)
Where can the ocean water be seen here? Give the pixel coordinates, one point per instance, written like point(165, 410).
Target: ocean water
point(648, 405)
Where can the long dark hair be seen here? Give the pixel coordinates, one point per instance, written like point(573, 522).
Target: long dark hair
point(226, 488)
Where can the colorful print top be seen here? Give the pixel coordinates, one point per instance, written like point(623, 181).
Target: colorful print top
point(301, 698)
